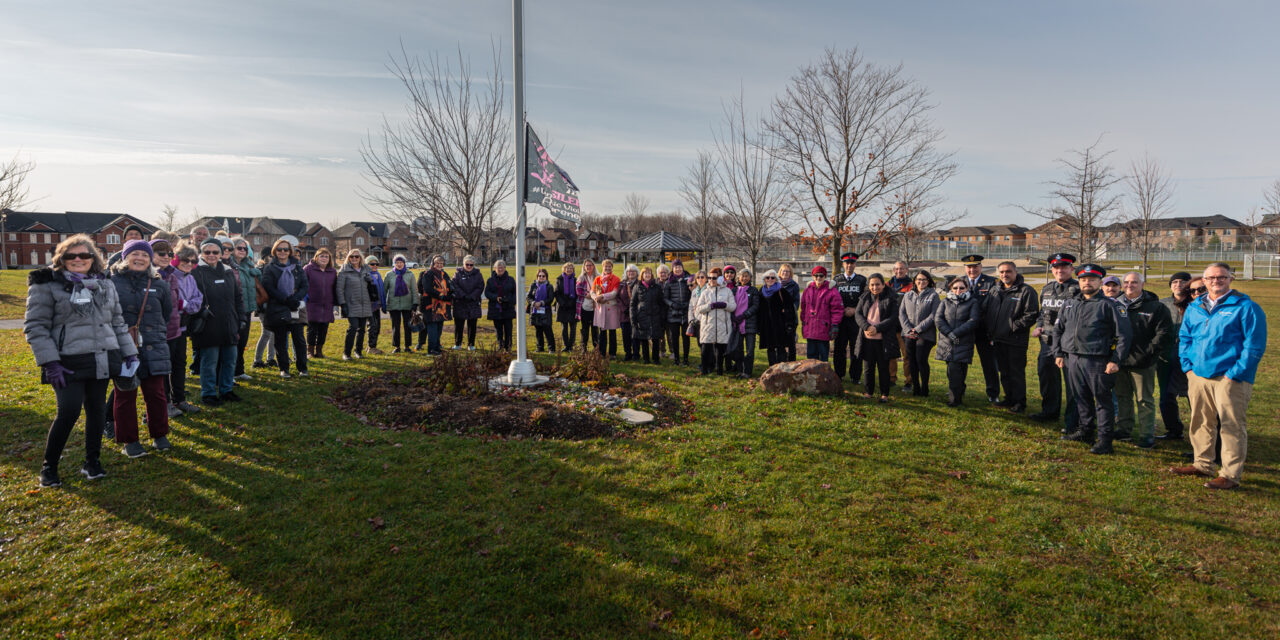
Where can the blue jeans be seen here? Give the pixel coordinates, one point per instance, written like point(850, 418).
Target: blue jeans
point(217, 370)
point(433, 336)
point(818, 349)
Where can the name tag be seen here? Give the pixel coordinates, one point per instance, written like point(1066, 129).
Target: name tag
point(219, 281)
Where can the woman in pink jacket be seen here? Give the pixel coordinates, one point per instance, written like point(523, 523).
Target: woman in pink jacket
point(820, 312)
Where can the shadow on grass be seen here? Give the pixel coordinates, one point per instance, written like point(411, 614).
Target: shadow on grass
point(362, 533)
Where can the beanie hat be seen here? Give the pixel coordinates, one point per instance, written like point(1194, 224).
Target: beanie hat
point(137, 245)
point(1181, 275)
point(211, 241)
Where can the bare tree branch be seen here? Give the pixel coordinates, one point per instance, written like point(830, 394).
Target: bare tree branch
point(169, 217)
point(849, 134)
point(749, 191)
point(13, 183)
point(1082, 201)
point(698, 190)
point(635, 205)
point(913, 216)
point(1151, 190)
point(449, 161)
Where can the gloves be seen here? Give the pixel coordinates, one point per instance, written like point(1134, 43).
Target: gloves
point(131, 359)
point(56, 374)
point(345, 311)
point(719, 305)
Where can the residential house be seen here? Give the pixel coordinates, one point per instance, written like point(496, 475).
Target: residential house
point(985, 237)
point(29, 238)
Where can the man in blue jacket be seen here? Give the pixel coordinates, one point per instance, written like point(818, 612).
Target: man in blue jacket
point(1223, 336)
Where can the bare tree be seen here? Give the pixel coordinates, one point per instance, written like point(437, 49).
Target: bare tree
point(634, 205)
point(13, 194)
point(450, 159)
point(1151, 189)
point(749, 190)
point(848, 134)
point(697, 188)
point(1082, 200)
point(169, 217)
point(912, 217)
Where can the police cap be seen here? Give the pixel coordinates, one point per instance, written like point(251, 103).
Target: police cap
point(1061, 259)
point(849, 257)
point(971, 259)
point(1091, 270)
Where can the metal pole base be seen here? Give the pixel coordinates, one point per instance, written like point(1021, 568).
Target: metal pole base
point(522, 373)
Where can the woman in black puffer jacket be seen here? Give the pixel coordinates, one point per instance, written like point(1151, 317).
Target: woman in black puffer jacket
point(218, 324)
point(677, 294)
point(145, 303)
point(956, 321)
point(284, 314)
point(647, 315)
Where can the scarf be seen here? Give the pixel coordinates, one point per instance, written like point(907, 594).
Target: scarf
point(570, 285)
point(770, 289)
point(543, 292)
point(286, 282)
point(740, 296)
point(402, 289)
point(951, 295)
point(607, 283)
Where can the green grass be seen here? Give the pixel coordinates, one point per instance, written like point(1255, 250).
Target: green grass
point(766, 516)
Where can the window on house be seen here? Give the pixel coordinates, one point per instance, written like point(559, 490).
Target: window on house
point(65, 236)
point(48, 237)
point(32, 238)
point(324, 242)
point(13, 237)
point(360, 242)
point(113, 238)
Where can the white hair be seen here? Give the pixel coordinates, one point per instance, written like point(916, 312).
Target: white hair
point(631, 267)
point(471, 259)
point(770, 274)
point(1141, 280)
point(500, 262)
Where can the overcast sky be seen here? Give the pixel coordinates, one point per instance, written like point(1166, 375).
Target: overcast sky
point(258, 108)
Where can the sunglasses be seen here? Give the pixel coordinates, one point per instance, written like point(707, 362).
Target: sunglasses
point(1200, 290)
point(770, 278)
point(187, 260)
point(78, 256)
point(283, 250)
point(163, 253)
point(242, 248)
point(210, 253)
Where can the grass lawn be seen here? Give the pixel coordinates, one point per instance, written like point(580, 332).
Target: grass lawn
point(766, 516)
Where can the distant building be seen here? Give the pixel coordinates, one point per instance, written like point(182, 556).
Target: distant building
point(30, 237)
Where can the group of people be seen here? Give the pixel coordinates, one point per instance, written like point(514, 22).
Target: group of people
point(1106, 344)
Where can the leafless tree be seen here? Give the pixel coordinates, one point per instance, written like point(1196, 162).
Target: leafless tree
point(849, 134)
point(169, 217)
point(634, 205)
point(697, 188)
point(1082, 200)
point(1151, 190)
point(13, 193)
point(913, 216)
point(450, 159)
point(749, 192)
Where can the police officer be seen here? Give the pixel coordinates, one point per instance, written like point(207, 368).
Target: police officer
point(851, 286)
point(980, 284)
point(1009, 311)
point(1057, 291)
point(1091, 338)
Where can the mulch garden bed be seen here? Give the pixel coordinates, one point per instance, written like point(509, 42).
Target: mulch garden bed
point(453, 394)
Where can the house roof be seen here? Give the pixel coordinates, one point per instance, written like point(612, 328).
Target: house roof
point(70, 221)
point(660, 241)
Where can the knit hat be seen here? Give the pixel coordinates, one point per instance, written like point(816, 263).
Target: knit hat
point(215, 241)
point(137, 245)
point(676, 263)
point(1181, 275)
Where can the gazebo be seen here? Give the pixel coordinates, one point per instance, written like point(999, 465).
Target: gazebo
point(667, 246)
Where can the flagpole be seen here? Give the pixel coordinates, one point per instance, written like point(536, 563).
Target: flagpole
point(521, 371)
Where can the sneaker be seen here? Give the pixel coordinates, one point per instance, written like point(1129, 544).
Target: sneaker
point(303, 374)
point(93, 470)
point(133, 450)
point(455, 347)
point(357, 355)
point(259, 364)
point(109, 429)
point(395, 349)
point(174, 411)
point(271, 363)
point(346, 357)
point(187, 407)
point(285, 374)
point(211, 401)
point(162, 444)
point(471, 348)
point(230, 396)
point(244, 376)
point(49, 478)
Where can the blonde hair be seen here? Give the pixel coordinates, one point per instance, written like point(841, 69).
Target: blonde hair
point(648, 271)
point(98, 265)
point(354, 252)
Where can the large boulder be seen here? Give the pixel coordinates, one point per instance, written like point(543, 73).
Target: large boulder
point(803, 376)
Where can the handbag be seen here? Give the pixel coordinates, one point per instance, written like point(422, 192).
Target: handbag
point(416, 323)
point(134, 331)
point(262, 296)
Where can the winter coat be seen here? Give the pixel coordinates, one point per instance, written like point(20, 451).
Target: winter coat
point(406, 302)
point(542, 319)
point(1096, 327)
point(249, 275)
point(821, 310)
point(223, 304)
point(624, 297)
point(379, 292)
point(566, 298)
point(676, 296)
point(609, 307)
point(746, 316)
point(321, 296)
point(1052, 297)
point(916, 312)
point(648, 314)
point(694, 294)
point(792, 288)
point(1151, 326)
point(1227, 341)
point(279, 307)
point(777, 320)
point(715, 325)
point(851, 288)
point(82, 337)
point(436, 294)
point(352, 290)
point(956, 322)
point(585, 303)
point(888, 326)
point(468, 288)
point(1008, 313)
point(132, 287)
point(500, 291)
point(1176, 311)
point(173, 328)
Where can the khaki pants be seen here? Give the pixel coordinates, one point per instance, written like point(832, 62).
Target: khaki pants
point(1140, 385)
point(1216, 402)
point(906, 363)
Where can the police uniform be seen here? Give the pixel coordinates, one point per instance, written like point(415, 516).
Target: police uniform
point(851, 289)
point(1051, 379)
point(1088, 334)
point(979, 288)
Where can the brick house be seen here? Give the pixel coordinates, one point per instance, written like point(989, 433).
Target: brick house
point(1000, 235)
point(29, 238)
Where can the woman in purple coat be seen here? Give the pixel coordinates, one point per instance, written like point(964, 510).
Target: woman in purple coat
point(321, 281)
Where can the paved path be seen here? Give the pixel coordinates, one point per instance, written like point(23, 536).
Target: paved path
point(11, 324)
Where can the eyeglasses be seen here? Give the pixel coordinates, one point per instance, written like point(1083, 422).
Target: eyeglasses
point(210, 253)
point(242, 248)
point(770, 278)
point(78, 256)
point(187, 260)
point(163, 253)
point(1217, 278)
point(1199, 290)
point(283, 250)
